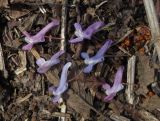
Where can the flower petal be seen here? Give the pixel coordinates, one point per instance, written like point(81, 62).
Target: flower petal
point(88, 69)
point(63, 85)
point(28, 46)
point(47, 65)
point(26, 34)
point(109, 97)
point(54, 22)
point(40, 61)
point(84, 55)
point(78, 39)
point(78, 27)
point(42, 69)
point(59, 53)
point(39, 37)
point(117, 86)
point(118, 77)
point(103, 49)
point(56, 99)
point(51, 89)
point(93, 28)
point(106, 86)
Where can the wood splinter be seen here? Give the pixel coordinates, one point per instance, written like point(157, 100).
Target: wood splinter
point(130, 79)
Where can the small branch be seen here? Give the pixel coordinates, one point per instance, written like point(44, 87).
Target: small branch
point(153, 23)
point(63, 42)
point(130, 79)
point(64, 24)
point(2, 64)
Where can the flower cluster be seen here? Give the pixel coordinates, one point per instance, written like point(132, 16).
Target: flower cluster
point(45, 65)
point(99, 57)
point(39, 37)
point(87, 33)
point(63, 85)
point(117, 86)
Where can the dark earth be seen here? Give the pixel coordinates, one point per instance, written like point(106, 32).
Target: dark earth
point(24, 94)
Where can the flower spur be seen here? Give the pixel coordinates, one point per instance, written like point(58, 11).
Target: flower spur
point(87, 33)
point(117, 86)
point(39, 37)
point(63, 84)
point(99, 57)
point(44, 66)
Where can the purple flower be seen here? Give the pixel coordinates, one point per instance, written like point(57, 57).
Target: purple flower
point(86, 34)
point(117, 86)
point(44, 66)
point(63, 85)
point(39, 37)
point(99, 57)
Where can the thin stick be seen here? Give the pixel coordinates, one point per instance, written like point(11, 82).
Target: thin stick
point(63, 42)
point(63, 24)
point(2, 64)
point(153, 23)
point(130, 79)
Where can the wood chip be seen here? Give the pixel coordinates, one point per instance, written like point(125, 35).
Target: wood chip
point(130, 79)
point(20, 99)
point(22, 55)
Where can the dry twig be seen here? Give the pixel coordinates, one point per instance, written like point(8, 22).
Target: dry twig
point(153, 23)
point(130, 79)
point(64, 24)
point(2, 64)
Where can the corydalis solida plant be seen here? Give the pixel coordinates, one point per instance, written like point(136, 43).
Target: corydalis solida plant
point(87, 33)
point(99, 57)
point(117, 85)
point(44, 66)
point(63, 84)
point(39, 37)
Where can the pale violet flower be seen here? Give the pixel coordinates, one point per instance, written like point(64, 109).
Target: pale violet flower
point(117, 85)
point(99, 57)
point(63, 84)
point(39, 37)
point(44, 66)
point(87, 33)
